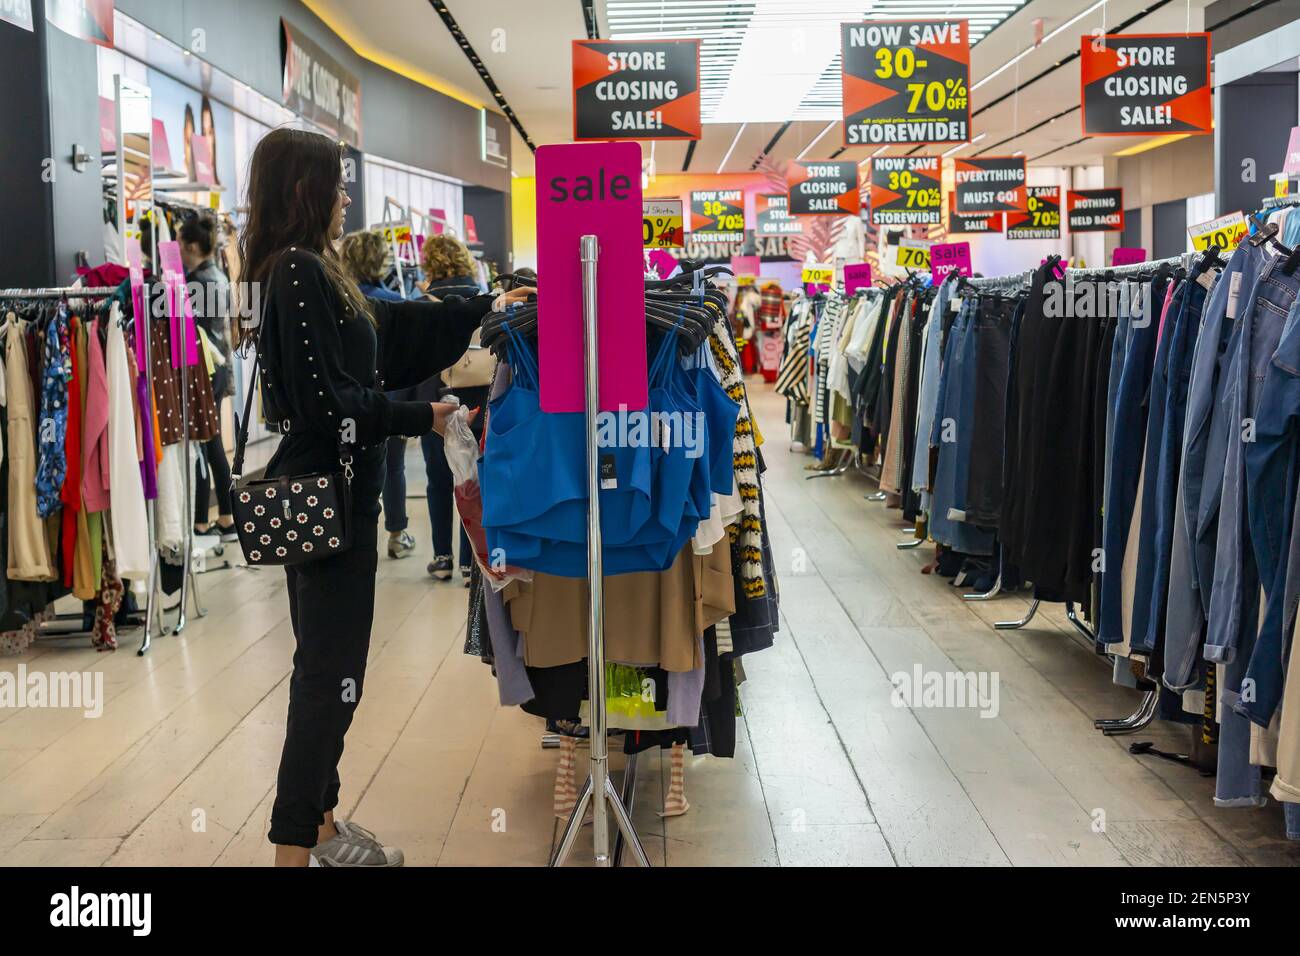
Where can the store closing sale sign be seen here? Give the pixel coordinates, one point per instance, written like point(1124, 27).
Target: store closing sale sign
point(905, 81)
point(1042, 216)
point(1095, 210)
point(905, 190)
point(718, 215)
point(990, 184)
point(1146, 83)
point(823, 189)
point(636, 89)
point(774, 219)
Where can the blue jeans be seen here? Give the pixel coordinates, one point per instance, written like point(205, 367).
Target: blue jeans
point(441, 492)
point(1236, 575)
point(1205, 436)
point(1272, 470)
point(395, 485)
point(1127, 437)
point(953, 419)
point(1164, 459)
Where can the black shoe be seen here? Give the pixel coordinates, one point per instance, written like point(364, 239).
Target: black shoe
point(440, 567)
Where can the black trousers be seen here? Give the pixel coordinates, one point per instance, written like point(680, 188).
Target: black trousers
point(984, 484)
point(331, 605)
point(216, 477)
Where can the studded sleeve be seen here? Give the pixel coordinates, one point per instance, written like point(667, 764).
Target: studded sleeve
point(419, 338)
point(313, 376)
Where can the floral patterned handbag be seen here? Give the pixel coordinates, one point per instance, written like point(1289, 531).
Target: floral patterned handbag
point(290, 520)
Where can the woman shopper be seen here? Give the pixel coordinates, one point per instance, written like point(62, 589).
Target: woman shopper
point(449, 272)
point(326, 354)
point(365, 254)
point(210, 302)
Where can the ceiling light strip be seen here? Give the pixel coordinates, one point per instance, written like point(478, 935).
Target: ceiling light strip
point(816, 139)
point(732, 149)
point(463, 42)
point(771, 143)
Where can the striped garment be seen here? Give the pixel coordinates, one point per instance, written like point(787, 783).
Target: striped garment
point(746, 534)
point(792, 380)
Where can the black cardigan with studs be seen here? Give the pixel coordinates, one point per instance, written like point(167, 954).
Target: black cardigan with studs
point(325, 367)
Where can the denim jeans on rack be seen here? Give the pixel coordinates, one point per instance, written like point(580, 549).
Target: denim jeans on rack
point(1272, 470)
point(1128, 435)
point(1236, 574)
point(1204, 437)
point(1174, 368)
point(1141, 638)
point(953, 421)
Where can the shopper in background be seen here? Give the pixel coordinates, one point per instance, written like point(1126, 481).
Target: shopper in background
point(365, 256)
point(449, 274)
point(324, 350)
point(210, 302)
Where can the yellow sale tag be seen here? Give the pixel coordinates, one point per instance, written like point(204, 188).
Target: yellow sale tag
point(913, 254)
point(742, 281)
point(1225, 232)
point(214, 200)
point(398, 233)
point(661, 224)
point(818, 273)
point(1281, 187)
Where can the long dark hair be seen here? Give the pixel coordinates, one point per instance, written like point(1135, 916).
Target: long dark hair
point(293, 183)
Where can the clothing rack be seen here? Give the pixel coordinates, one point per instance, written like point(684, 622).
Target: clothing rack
point(49, 628)
point(1007, 283)
point(598, 790)
point(1183, 261)
point(62, 292)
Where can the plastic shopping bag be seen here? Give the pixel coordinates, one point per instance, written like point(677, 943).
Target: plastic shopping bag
point(462, 457)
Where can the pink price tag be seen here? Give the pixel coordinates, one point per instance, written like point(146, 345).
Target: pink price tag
point(204, 172)
point(162, 154)
point(178, 303)
point(746, 266)
point(857, 276)
point(135, 270)
point(949, 257)
point(1292, 165)
point(1127, 256)
point(662, 261)
point(590, 189)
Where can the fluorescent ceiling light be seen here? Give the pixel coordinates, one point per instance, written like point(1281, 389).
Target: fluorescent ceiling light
point(766, 61)
point(816, 139)
point(1153, 143)
point(960, 146)
point(1024, 53)
point(732, 148)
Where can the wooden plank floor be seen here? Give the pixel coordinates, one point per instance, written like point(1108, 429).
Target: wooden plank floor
point(179, 770)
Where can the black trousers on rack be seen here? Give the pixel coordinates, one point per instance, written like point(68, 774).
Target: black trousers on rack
point(331, 606)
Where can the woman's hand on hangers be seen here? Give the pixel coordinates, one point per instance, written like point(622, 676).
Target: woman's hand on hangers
point(514, 297)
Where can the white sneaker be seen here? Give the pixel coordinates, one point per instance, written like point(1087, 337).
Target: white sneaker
point(355, 846)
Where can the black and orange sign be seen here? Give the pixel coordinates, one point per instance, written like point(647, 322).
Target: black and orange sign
point(974, 222)
point(1041, 218)
point(636, 89)
point(1143, 83)
point(818, 189)
point(718, 215)
point(1095, 210)
point(906, 190)
point(905, 81)
point(990, 184)
point(774, 219)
